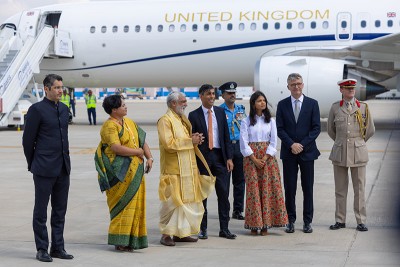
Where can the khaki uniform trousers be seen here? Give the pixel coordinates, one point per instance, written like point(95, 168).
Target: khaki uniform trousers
point(341, 187)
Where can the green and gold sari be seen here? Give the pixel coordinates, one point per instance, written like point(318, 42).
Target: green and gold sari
point(123, 180)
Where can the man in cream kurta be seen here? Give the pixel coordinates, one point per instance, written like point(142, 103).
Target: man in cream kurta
point(350, 125)
point(182, 188)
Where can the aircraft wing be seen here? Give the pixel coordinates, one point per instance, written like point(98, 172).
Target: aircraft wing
point(386, 44)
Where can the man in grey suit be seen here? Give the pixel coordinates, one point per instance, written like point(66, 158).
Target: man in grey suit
point(46, 148)
point(350, 125)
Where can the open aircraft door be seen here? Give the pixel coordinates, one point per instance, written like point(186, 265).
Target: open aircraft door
point(28, 23)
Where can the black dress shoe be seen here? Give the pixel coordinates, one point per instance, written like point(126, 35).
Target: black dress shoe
point(43, 255)
point(361, 227)
point(307, 228)
point(237, 215)
point(289, 228)
point(227, 234)
point(337, 226)
point(61, 254)
point(203, 234)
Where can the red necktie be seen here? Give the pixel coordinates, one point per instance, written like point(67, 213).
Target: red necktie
point(210, 131)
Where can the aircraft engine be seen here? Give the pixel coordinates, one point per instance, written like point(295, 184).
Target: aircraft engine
point(320, 77)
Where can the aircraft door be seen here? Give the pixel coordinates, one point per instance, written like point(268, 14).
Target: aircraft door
point(28, 23)
point(343, 27)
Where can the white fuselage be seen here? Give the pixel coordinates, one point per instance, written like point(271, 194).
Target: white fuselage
point(255, 43)
point(190, 58)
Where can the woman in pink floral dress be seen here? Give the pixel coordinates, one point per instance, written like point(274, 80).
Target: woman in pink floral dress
point(265, 204)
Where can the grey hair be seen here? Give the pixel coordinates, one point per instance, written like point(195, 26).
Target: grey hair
point(293, 76)
point(174, 97)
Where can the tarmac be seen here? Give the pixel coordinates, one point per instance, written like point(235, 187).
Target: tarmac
point(87, 218)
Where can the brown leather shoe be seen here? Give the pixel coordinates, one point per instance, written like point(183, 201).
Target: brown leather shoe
point(166, 240)
point(185, 239)
point(254, 232)
point(264, 232)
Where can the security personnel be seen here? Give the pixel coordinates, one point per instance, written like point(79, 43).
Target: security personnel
point(350, 125)
point(234, 116)
point(65, 98)
point(90, 100)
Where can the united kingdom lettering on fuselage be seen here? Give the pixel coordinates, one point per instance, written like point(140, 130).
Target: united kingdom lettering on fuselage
point(185, 43)
point(246, 16)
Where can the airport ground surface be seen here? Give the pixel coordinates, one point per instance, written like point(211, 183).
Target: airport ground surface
point(87, 217)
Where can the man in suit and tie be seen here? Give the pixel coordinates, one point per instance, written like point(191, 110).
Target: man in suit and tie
point(298, 124)
point(210, 121)
point(46, 148)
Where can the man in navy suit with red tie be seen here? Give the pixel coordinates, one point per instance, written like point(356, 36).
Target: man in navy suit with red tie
point(298, 124)
point(210, 120)
point(46, 149)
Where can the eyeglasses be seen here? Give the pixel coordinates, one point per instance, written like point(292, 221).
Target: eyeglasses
point(293, 85)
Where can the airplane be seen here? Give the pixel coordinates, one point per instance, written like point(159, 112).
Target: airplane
point(185, 43)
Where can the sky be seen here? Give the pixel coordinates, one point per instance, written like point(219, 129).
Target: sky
point(11, 7)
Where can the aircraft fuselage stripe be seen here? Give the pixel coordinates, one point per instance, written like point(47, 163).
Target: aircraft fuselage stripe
point(361, 36)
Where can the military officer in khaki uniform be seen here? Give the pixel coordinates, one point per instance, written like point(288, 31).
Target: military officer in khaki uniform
point(350, 125)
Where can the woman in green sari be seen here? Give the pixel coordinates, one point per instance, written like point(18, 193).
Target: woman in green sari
point(120, 163)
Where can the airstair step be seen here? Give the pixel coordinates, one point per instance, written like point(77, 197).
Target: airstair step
point(12, 52)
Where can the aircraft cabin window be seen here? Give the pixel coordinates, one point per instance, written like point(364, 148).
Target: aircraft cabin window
point(206, 27)
point(301, 25)
point(289, 25)
point(390, 23)
point(171, 28)
point(344, 24)
point(229, 26)
point(103, 29)
point(241, 26)
point(183, 27)
point(377, 23)
point(313, 25)
point(160, 28)
point(325, 25)
point(277, 25)
point(253, 26)
point(126, 28)
point(115, 29)
point(265, 26)
point(148, 28)
point(218, 27)
point(93, 29)
point(194, 27)
point(363, 24)
point(137, 28)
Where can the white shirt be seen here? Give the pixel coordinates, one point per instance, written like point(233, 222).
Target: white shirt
point(301, 98)
point(214, 124)
point(260, 132)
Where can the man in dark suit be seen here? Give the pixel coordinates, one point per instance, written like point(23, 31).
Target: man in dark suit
point(298, 124)
point(46, 148)
point(210, 121)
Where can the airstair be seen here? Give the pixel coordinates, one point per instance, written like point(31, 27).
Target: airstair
point(16, 71)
